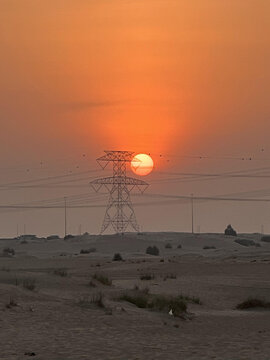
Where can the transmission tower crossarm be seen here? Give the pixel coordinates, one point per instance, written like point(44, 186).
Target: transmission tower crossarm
point(112, 180)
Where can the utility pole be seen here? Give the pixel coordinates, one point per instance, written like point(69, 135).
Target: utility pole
point(192, 215)
point(65, 216)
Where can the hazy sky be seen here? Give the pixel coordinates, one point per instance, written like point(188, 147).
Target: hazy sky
point(168, 77)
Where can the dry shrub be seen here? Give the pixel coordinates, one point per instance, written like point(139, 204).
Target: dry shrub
point(103, 279)
point(253, 303)
point(29, 284)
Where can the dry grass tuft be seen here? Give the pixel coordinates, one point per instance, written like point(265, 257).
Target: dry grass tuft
point(103, 279)
point(96, 299)
point(29, 284)
point(61, 272)
point(253, 303)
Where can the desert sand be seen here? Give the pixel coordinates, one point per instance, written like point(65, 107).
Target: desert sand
point(54, 320)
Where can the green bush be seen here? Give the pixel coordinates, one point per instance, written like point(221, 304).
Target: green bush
point(88, 251)
point(147, 277)
point(95, 299)
point(103, 279)
point(117, 257)
point(169, 276)
point(152, 250)
point(168, 246)
point(191, 299)
point(7, 251)
point(165, 303)
point(139, 299)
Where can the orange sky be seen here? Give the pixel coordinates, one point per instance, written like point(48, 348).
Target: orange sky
point(144, 75)
point(159, 76)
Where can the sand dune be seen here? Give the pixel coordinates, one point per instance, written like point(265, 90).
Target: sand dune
point(54, 320)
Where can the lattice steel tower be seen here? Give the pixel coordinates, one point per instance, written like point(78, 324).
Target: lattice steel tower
point(119, 212)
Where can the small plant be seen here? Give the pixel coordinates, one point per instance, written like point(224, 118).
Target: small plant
point(152, 250)
point(92, 284)
point(169, 276)
point(61, 272)
point(88, 251)
point(147, 277)
point(89, 301)
point(7, 251)
point(169, 303)
point(29, 284)
point(117, 257)
point(191, 299)
point(208, 247)
point(253, 303)
point(168, 246)
point(179, 246)
point(12, 303)
point(103, 279)
point(138, 299)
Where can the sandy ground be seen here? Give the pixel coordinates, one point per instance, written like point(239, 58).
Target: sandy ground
point(51, 323)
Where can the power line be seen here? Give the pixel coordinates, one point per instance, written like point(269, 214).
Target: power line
point(207, 198)
point(48, 178)
point(207, 157)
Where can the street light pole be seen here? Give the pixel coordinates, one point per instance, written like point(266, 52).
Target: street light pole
point(65, 216)
point(192, 214)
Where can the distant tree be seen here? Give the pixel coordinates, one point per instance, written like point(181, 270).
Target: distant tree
point(230, 231)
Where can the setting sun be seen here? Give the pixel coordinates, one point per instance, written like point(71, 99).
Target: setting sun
point(142, 164)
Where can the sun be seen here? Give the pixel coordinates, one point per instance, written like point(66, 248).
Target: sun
point(142, 164)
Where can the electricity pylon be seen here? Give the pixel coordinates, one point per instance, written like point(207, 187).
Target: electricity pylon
point(119, 212)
